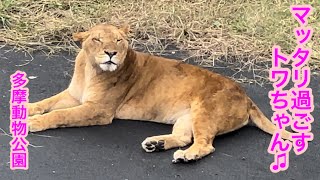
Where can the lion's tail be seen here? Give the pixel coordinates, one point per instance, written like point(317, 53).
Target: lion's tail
point(260, 120)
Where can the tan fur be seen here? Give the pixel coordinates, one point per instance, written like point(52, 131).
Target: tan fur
point(201, 104)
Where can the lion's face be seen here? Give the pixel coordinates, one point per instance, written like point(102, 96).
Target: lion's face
point(106, 45)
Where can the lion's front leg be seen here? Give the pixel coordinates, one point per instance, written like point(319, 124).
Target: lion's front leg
point(87, 114)
point(59, 101)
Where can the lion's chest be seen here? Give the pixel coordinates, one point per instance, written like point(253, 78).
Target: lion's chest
point(81, 84)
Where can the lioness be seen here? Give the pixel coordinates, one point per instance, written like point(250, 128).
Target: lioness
point(111, 80)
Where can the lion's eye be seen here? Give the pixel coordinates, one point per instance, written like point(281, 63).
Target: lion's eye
point(96, 39)
point(118, 40)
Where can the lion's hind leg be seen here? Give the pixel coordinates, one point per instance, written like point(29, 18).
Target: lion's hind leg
point(180, 137)
point(204, 130)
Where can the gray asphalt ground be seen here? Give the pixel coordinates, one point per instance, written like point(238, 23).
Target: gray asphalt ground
point(114, 151)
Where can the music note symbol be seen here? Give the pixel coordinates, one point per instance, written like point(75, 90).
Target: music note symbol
point(280, 161)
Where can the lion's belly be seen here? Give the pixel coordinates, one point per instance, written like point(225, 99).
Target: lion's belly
point(163, 100)
point(168, 114)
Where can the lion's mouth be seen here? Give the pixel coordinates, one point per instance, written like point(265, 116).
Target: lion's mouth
point(109, 63)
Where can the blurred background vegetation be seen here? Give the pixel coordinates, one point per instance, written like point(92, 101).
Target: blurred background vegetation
point(245, 30)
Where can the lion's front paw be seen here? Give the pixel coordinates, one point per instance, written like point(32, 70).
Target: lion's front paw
point(36, 123)
point(34, 108)
point(151, 145)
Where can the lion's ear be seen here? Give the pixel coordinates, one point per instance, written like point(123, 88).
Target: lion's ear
point(80, 36)
point(125, 29)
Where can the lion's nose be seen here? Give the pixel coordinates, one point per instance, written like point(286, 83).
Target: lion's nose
point(110, 54)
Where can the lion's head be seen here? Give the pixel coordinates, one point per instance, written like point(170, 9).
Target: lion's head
point(106, 45)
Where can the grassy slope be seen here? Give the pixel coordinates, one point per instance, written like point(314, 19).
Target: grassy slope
point(246, 29)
